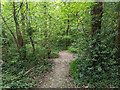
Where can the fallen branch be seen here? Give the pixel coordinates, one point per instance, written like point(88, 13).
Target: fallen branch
point(24, 73)
point(38, 67)
point(28, 71)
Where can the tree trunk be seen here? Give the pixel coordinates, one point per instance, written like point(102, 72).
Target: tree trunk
point(97, 16)
point(96, 30)
point(19, 36)
point(118, 41)
point(68, 25)
point(49, 47)
point(118, 33)
point(32, 45)
point(23, 32)
point(45, 32)
point(13, 37)
point(30, 30)
point(67, 31)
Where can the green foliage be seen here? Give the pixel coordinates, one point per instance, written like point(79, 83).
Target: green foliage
point(60, 48)
point(54, 55)
point(100, 67)
point(62, 40)
point(97, 63)
point(13, 76)
point(49, 27)
point(73, 49)
point(74, 69)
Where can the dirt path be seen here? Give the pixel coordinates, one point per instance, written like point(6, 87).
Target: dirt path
point(59, 76)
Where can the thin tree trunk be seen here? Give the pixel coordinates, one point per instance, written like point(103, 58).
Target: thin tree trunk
point(67, 31)
point(23, 26)
point(30, 29)
point(32, 45)
point(19, 36)
point(13, 36)
point(49, 47)
point(23, 31)
point(45, 32)
point(68, 26)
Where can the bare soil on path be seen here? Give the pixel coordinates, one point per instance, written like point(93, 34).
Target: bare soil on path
point(59, 75)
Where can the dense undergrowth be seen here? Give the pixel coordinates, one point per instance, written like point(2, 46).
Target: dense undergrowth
point(34, 32)
point(22, 74)
point(97, 65)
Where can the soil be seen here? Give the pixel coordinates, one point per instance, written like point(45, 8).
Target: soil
point(58, 77)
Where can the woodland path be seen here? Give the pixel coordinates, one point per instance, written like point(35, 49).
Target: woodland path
point(59, 75)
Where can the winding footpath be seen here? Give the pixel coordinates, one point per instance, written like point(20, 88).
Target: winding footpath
point(59, 75)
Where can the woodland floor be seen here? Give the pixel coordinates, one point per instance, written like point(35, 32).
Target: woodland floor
point(58, 77)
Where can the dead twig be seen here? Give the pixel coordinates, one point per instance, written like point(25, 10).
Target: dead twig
point(28, 71)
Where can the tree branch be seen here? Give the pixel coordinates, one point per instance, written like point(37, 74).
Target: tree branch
point(9, 29)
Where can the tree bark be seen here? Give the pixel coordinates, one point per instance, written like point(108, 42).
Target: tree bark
point(96, 25)
point(23, 30)
point(32, 45)
point(13, 37)
point(68, 26)
point(45, 32)
point(97, 16)
point(23, 26)
point(19, 36)
point(118, 33)
point(96, 30)
point(67, 31)
point(30, 30)
point(118, 41)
